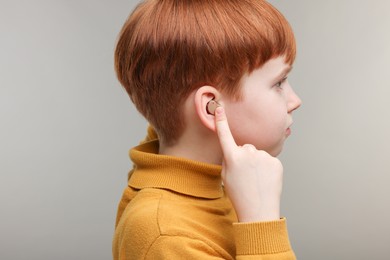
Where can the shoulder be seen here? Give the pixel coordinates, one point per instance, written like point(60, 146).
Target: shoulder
point(159, 223)
point(141, 213)
point(155, 209)
point(138, 226)
point(152, 213)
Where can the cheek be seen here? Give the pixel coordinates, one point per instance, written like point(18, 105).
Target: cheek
point(270, 114)
point(262, 126)
point(259, 117)
point(276, 118)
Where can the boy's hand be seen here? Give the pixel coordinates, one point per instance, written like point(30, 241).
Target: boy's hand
point(252, 178)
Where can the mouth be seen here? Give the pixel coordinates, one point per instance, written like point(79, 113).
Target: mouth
point(288, 131)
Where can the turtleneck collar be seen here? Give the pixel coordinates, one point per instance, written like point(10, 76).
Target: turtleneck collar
point(153, 170)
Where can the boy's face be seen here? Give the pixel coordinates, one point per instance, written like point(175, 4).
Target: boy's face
point(264, 114)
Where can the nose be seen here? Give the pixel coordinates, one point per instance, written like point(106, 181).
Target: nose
point(294, 102)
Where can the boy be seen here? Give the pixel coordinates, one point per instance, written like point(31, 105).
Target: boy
point(200, 188)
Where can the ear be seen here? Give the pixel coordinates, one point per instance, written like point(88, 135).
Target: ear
point(201, 98)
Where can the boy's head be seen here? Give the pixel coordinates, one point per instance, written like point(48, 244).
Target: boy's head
point(169, 48)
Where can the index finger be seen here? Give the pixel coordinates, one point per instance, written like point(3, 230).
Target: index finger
point(224, 134)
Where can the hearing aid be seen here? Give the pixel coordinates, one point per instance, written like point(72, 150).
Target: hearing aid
point(211, 106)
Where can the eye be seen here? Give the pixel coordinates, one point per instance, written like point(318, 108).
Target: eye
point(280, 83)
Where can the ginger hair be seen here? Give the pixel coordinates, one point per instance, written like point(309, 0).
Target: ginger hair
point(169, 48)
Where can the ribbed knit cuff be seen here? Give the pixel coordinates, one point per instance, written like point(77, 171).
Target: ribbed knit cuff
point(261, 238)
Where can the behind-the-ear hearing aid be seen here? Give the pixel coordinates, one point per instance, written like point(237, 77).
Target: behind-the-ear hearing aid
point(211, 106)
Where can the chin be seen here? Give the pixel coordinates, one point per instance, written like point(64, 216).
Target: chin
point(276, 151)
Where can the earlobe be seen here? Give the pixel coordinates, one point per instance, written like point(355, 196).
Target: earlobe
point(206, 101)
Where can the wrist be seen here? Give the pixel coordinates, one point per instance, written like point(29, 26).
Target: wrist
point(257, 214)
point(259, 217)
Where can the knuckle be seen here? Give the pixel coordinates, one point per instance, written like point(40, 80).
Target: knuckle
point(249, 147)
point(263, 154)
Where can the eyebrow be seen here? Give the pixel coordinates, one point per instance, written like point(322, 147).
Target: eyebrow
point(284, 72)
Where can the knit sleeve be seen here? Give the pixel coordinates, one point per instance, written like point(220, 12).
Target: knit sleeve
point(263, 240)
point(254, 241)
point(182, 247)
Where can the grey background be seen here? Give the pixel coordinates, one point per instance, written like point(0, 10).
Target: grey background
point(66, 127)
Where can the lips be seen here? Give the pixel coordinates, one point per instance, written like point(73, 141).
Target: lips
point(288, 131)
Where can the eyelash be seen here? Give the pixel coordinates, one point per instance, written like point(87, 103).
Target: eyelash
point(280, 83)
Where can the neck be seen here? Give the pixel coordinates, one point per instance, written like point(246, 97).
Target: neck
point(197, 148)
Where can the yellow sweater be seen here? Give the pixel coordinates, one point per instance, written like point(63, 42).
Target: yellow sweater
point(174, 208)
